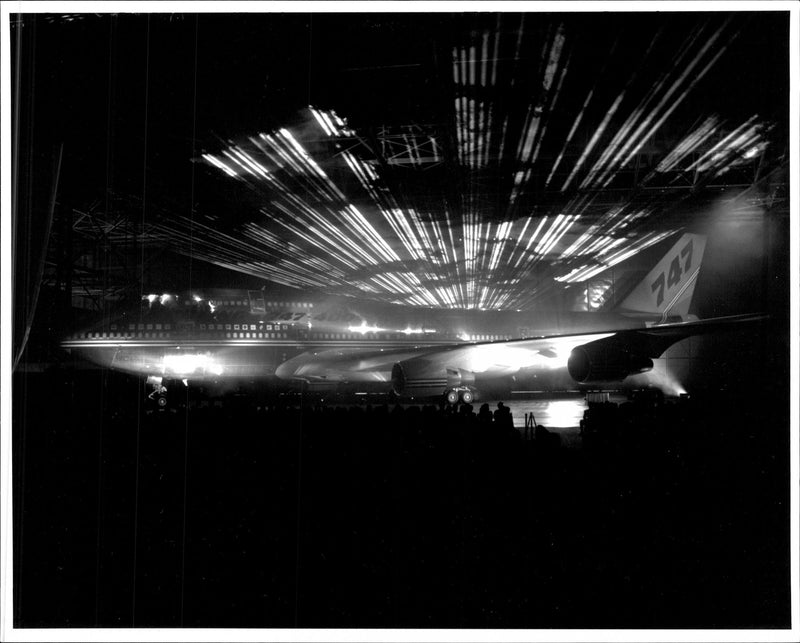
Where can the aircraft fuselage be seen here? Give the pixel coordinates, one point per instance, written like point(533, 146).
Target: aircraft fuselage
point(245, 335)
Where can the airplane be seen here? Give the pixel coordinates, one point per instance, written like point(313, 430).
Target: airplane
point(333, 343)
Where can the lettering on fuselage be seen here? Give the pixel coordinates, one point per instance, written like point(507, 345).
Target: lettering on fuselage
point(664, 283)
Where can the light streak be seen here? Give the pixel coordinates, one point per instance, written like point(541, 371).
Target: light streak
point(334, 219)
point(588, 271)
point(566, 224)
point(688, 145)
point(322, 123)
point(547, 235)
point(686, 73)
point(216, 162)
point(719, 150)
point(596, 137)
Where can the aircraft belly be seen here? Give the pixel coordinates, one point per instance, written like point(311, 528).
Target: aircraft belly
point(344, 365)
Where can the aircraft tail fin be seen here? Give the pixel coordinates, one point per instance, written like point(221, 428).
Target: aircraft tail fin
point(666, 292)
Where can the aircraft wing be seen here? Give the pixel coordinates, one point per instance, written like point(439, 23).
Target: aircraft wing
point(597, 357)
point(654, 340)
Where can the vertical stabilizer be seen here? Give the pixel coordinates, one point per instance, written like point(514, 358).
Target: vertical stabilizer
point(667, 290)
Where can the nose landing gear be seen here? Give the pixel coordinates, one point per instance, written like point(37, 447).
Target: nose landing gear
point(159, 392)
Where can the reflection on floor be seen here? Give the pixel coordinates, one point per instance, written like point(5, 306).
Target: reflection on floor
point(562, 416)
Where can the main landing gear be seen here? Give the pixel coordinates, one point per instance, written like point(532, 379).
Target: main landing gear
point(453, 395)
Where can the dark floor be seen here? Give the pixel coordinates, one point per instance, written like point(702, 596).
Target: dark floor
point(668, 516)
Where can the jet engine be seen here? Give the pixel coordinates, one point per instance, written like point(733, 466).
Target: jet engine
point(423, 377)
point(412, 376)
point(605, 363)
point(457, 377)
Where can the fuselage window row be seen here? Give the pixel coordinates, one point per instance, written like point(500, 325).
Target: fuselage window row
point(263, 332)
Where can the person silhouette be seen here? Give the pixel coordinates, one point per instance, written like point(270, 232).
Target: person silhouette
point(502, 416)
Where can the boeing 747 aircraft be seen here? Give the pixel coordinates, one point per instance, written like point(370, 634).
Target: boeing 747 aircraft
point(339, 343)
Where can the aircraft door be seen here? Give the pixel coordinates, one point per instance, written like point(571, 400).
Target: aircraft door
point(257, 304)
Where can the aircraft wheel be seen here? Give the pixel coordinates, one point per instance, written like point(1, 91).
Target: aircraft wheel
point(467, 397)
point(162, 402)
point(451, 397)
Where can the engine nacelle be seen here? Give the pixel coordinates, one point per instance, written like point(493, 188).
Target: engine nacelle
point(418, 376)
point(605, 363)
point(457, 377)
point(421, 377)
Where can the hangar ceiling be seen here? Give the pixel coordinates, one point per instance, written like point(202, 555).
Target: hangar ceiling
point(450, 160)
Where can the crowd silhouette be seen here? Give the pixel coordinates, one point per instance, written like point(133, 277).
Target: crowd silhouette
point(261, 513)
